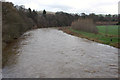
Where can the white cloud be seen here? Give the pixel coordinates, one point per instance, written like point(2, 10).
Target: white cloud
point(72, 6)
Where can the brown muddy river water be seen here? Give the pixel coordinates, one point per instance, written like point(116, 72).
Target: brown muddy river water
point(50, 53)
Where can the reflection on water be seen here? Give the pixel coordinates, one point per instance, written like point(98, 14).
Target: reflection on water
point(50, 53)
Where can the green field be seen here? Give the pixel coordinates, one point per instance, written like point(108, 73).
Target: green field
point(112, 30)
point(106, 34)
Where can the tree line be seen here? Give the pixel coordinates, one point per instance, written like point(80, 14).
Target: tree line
point(60, 19)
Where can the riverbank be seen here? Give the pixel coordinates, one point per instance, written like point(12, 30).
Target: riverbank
point(11, 49)
point(109, 39)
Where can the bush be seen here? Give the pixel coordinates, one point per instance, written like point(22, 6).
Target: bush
point(86, 25)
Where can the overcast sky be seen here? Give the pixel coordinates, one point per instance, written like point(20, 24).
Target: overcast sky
point(72, 6)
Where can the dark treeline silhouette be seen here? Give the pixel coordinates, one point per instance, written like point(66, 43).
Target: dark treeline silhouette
point(16, 20)
point(55, 20)
point(65, 19)
point(102, 19)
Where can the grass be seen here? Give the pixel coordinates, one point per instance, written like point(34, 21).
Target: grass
point(112, 30)
point(106, 35)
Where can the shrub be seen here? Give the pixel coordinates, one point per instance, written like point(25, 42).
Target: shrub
point(86, 25)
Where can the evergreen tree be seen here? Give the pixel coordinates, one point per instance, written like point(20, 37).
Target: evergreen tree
point(44, 12)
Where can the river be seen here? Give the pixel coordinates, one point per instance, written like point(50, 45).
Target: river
point(51, 53)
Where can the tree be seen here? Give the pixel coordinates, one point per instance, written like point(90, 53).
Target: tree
point(83, 15)
point(44, 12)
point(34, 16)
point(29, 14)
point(93, 16)
point(118, 19)
point(29, 10)
point(101, 18)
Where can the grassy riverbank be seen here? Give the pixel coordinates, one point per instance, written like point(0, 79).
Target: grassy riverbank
point(106, 35)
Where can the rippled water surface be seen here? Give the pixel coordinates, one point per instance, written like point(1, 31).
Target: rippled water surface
point(50, 53)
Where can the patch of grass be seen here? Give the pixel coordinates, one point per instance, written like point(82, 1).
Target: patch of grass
point(110, 37)
point(111, 30)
